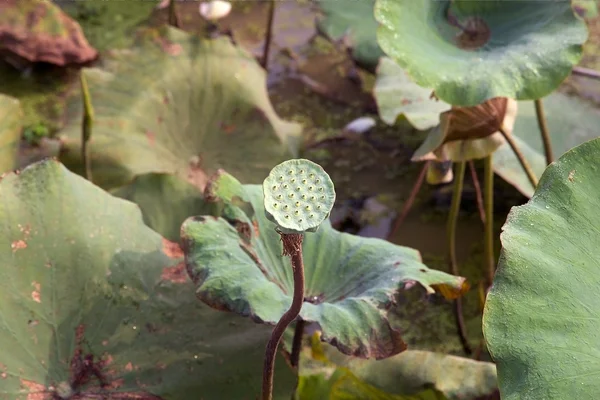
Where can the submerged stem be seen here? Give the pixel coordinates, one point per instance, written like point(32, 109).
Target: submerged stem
point(541, 118)
point(488, 188)
point(526, 167)
point(86, 126)
point(292, 246)
point(459, 177)
point(297, 342)
point(268, 35)
point(478, 195)
point(409, 202)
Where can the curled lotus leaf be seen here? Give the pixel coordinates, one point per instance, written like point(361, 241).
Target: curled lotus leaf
point(96, 305)
point(470, 51)
point(179, 104)
point(238, 266)
point(11, 115)
point(398, 96)
point(39, 31)
point(541, 315)
point(467, 133)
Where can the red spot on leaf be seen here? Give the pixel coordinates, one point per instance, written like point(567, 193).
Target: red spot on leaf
point(18, 245)
point(171, 249)
point(151, 137)
point(35, 391)
point(406, 102)
point(35, 295)
point(227, 128)
point(175, 274)
point(129, 367)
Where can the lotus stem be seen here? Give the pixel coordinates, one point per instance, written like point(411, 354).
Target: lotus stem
point(292, 246)
point(459, 177)
point(297, 342)
point(541, 118)
point(588, 73)
point(488, 187)
point(86, 126)
point(173, 18)
point(478, 195)
point(409, 202)
point(268, 35)
point(526, 167)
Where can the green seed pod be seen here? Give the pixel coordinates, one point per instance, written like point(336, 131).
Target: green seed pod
point(291, 202)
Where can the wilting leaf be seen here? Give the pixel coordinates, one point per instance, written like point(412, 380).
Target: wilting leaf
point(237, 264)
point(467, 133)
point(541, 316)
point(165, 200)
point(355, 20)
point(397, 95)
point(411, 375)
point(81, 277)
point(472, 51)
point(571, 121)
point(11, 115)
point(38, 31)
point(182, 105)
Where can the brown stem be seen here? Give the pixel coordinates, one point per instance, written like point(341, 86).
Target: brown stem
point(173, 18)
point(409, 202)
point(478, 194)
point(526, 167)
point(541, 118)
point(292, 246)
point(488, 184)
point(297, 342)
point(459, 177)
point(268, 35)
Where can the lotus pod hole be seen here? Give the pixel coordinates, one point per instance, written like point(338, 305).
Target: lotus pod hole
point(298, 196)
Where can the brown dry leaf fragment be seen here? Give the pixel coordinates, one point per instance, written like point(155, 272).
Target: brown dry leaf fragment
point(175, 274)
point(171, 249)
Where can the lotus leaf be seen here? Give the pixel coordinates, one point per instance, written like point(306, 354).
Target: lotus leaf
point(541, 315)
point(11, 115)
point(238, 266)
point(181, 105)
point(397, 95)
point(85, 283)
point(470, 51)
point(356, 20)
point(38, 31)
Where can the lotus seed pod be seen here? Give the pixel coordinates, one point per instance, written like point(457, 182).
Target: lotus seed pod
point(298, 195)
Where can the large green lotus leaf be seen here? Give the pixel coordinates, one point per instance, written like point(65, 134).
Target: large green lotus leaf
point(11, 115)
point(397, 95)
point(410, 375)
point(355, 19)
point(541, 315)
point(165, 200)
point(179, 104)
point(39, 31)
point(237, 264)
point(519, 49)
point(571, 121)
point(80, 267)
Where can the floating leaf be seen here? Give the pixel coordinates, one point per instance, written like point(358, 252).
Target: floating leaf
point(237, 264)
point(541, 316)
point(475, 50)
point(181, 105)
point(38, 31)
point(397, 95)
point(84, 279)
point(11, 115)
point(354, 19)
point(571, 121)
point(467, 133)
point(411, 375)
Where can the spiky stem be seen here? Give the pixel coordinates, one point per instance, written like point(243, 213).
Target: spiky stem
point(409, 202)
point(459, 177)
point(297, 342)
point(268, 35)
point(292, 246)
point(488, 187)
point(526, 167)
point(541, 118)
point(86, 126)
point(478, 195)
